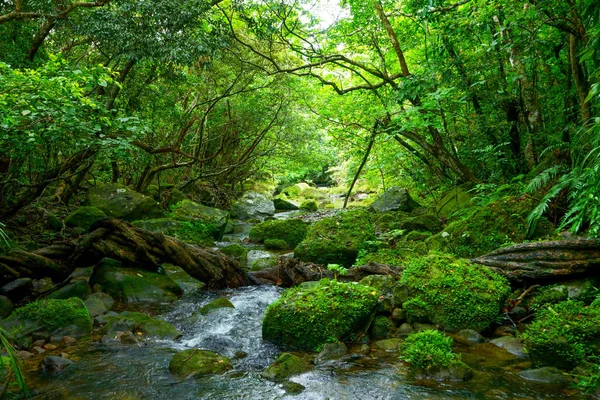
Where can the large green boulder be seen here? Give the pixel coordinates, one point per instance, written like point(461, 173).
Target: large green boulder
point(193, 232)
point(395, 199)
point(291, 231)
point(253, 206)
point(84, 217)
point(237, 252)
point(285, 366)
point(307, 318)
point(309, 205)
point(187, 210)
point(337, 239)
point(140, 323)
point(564, 335)
point(78, 288)
point(457, 199)
point(50, 317)
point(134, 285)
point(119, 201)
point(453, 293)
point(194, 362)
point(284, 205)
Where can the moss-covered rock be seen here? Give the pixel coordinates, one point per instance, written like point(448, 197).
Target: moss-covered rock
point(291, 231)
point(454, 200)
point(430, 354)
point(187, 210)
point(6, 307)
point(237, 252)
point(391, 292)
point(563, 335)
point(285, 366)
point(395, 199)
point(252, 206)
point(399, 220)
point(381, 328)
point(453, 293)
point(309, 205)
point(131, 285)
point(119, 201)
point(485, 229)
point(138, 322)
point(337, 239)
point(84, 217)
point(52, 317)
point(284, 205)
point(307, 318)
point(216, 305)
point(194, 232)
point(194, 362)
point(79, 288)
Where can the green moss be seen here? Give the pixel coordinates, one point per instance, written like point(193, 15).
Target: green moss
point(291, 231)
point(215, 305)
point(138, 322)
point(194, 362)
point(194, 232)
point(381, 327)
point(337, 239)
point(307, 318)
point(84, 217)
point(309, 205)
point(56, 314)
point(563, 335)
point(285, 366)
point(453, 293)
point(428, 349)
point(276, 244)
point(546, 295)
point(236, 251)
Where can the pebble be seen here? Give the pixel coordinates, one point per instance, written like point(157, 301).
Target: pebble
point(38, 350)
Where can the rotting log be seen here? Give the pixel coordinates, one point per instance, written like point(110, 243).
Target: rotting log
point(545, 260)
point(132, 246)
point(290, 272)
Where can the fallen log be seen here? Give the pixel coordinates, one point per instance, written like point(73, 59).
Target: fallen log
point(290, 272)
point(545, 260)
point(132, 246)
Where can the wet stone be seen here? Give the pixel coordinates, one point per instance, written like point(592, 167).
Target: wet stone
point(54, 366)
point(512, 345)
point(469, 337)
point(405, 330)
point(546, 375)
point(332, 351)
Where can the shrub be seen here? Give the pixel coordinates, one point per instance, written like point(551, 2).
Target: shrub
point(428, 349)
point(454, 293)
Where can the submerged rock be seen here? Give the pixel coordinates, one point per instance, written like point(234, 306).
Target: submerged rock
point(511, 344)
point(132, 285)
point(546, 375)
point(54, 366)
point(285, 366)
point(332, 351)
point(194, 362)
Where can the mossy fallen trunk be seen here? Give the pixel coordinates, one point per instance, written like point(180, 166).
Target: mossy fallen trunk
point(132, 246)
point(545, 260)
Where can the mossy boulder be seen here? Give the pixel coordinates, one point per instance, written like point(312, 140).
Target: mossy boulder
point(381, 327)
point(392, 293)
point(194, 232)
point(174, 196)
point(252, 206)
point(285, 366)
point(216, 305)
point(295, 190)
point(337, 239)
point(51, 317)
point(84, 217)
point(291, 231)
point(564, 335)
point(237, 252)
point(276, 244)
point(79, 288)
point(6, 307)
point(309, 205)
point(187, 210)
point(453, 293)
point(458, 198)
point(119, 201)
point(307, 318)
point(133, 285)
point(485, 229)
point(284, 205)
point(194, 363)
point(429, 354)
point(395, 199)
point(140, 323)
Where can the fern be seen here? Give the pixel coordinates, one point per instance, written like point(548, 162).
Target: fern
point(15, 365)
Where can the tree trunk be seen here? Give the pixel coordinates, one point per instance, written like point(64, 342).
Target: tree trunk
point(545, 260)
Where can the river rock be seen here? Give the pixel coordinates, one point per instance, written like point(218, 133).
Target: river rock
point(511, 344)
point(252, 206)
point(133, 285)
point(284, 205)
point(285, 366)
point(332, 351)
point(405, 329)
point(546, 375)
point(119, 201)
point(138, 322)
point(469, 337)
point(381, 327)
point(188, 210)
point(17, 289)
point(95, 306)
point(395, 199)
point(54, 366)
point(103, 319)
point(6, 307)
point(237, 252)
point(393, 293)
point(193, 362)
point(216, 305)
point(389, 344)
point(80, 289)
point(84, 217)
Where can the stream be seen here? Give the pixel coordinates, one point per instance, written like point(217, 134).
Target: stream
point(130, 372)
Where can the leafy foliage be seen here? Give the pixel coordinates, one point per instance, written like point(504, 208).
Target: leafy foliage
point(428, 349)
